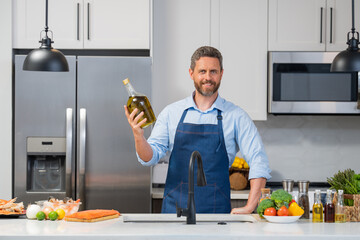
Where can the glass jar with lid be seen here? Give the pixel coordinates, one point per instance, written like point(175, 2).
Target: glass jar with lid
point(265, 194)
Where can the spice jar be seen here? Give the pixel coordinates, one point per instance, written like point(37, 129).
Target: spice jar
point(303, 199)
point(288, 185)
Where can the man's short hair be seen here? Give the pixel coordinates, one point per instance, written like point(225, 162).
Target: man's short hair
point(206, 51)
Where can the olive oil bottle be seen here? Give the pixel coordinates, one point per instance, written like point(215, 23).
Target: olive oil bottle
point(141, 102)
point(340, 208)
point(317, 215)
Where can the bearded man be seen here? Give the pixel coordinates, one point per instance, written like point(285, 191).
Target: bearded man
point(214, 127)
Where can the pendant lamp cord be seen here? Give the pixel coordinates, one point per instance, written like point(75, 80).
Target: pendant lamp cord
point(46, 18)
point(353, 18)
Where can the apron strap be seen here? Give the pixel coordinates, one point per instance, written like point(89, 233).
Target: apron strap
point(183, 116)
point(221, 134)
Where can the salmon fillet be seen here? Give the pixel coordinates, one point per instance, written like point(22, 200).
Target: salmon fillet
point(92, 215)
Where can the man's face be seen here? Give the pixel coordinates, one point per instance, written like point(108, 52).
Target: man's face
point(206, 75)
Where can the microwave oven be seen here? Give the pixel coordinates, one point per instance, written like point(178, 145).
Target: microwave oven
point(301, 83)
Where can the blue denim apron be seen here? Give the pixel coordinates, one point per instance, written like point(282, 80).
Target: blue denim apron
point(208, 139)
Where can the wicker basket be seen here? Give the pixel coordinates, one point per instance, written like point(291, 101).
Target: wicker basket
point(352, 213)
point(239, 178)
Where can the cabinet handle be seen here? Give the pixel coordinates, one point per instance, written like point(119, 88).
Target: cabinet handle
point(88, 21)
point(321, 24)
point(78, 22)
point(331, 25)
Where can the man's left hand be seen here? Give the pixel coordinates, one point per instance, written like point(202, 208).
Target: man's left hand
point(242, 210)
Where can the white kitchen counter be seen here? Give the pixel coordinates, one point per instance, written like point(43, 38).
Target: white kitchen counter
point(23, 228)
point(158, 193)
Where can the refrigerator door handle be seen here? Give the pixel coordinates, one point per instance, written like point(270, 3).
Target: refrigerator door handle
point(81, 164)
point(69, 183)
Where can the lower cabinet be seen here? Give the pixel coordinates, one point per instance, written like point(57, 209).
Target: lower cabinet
point(156, 204)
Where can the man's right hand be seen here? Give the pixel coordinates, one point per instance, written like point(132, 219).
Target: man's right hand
point(141, 145)
point(134, 121)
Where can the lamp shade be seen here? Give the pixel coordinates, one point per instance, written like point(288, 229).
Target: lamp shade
point(46, 59)
point(346, 61)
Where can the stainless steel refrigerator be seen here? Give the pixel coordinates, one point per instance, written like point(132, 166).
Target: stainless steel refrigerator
point(71, 136)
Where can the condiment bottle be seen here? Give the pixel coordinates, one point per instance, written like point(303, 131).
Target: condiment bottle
point(329, 208)
point(141, 102)
point(303, 199)
point(317, 215)
point(339, 208)
point(265, 194)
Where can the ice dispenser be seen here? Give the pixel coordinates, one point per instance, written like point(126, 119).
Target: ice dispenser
point(46, 164)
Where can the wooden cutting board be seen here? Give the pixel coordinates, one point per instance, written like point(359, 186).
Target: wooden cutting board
point(92, 215)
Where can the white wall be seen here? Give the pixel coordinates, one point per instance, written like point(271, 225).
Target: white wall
point(5, 102)
point(310, 147)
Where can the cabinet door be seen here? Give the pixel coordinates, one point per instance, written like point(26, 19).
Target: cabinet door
point(339, 23)
point(120, 24)
point(64, 20)
point(243, 34)
point(297, 25)
point(180, 27)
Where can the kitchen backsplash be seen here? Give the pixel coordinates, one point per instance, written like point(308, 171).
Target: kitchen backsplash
point(310, 147)
point(307, 147)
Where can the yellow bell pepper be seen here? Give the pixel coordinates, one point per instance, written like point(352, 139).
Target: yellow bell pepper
point(295, 210)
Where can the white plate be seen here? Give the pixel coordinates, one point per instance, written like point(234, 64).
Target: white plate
point(282, 219)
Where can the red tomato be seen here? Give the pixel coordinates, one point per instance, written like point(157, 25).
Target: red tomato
point(270, 211)
point(283, 211)
point(291, 202)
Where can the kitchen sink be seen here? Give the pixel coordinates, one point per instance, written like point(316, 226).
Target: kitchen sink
point(171, 217)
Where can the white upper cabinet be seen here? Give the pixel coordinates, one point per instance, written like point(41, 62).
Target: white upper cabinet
point(309, 25)
point(237, 28)
point(117, 24)
point(89, 24)
point(339, 23)
point(243, 43)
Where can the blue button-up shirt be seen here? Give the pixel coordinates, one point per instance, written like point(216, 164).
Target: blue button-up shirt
point(240, 133)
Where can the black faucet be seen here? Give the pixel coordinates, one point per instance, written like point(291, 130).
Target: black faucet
point(190, 211)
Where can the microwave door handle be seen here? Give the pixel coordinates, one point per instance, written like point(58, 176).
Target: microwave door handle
point(81, 163)
point(69, 182)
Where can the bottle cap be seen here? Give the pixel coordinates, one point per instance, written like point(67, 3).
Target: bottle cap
point(125, 81)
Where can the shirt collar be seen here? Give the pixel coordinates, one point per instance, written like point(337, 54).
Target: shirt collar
point(218, 104)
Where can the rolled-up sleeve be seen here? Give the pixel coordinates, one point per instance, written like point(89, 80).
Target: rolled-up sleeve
point(158, 140)
point(252, 148)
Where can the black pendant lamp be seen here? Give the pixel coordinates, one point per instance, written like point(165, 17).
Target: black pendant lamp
point(349, 59)
point(46, 58)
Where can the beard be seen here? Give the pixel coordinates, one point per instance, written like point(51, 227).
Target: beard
point(208, 92)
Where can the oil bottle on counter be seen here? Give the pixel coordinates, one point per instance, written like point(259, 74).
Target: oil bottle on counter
point(340, 208)
point(317, 215)
point(141, 102)
point(329, 209)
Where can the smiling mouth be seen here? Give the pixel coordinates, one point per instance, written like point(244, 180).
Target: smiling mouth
point(208, 84)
